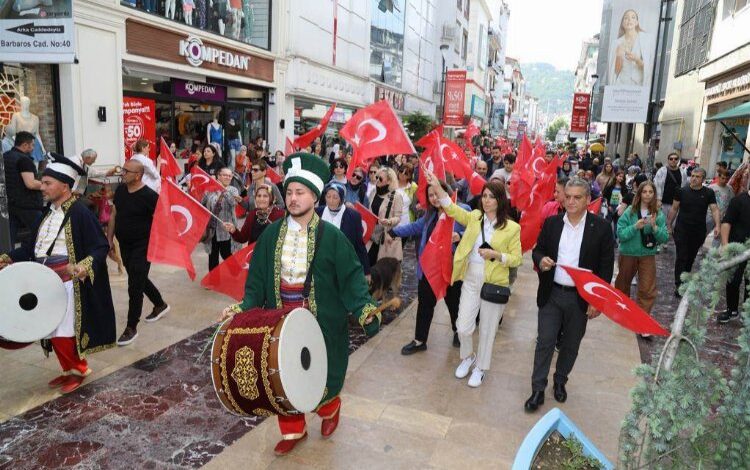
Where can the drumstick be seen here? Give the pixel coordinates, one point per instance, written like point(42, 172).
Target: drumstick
point(395, 302)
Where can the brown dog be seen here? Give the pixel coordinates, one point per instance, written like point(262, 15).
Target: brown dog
point(384, 275)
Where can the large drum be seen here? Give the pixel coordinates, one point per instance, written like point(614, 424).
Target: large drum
point(266, 362)
point(33, 302)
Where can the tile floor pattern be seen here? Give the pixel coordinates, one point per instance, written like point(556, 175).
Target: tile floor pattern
point(159, 412)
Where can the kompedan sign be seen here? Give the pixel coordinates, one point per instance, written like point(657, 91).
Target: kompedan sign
point(37, 31)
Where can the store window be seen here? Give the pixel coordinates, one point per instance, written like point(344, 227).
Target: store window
point(387, 41)
point(29, 101)
point(246, 21)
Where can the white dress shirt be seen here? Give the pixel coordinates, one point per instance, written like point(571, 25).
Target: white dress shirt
point(569, 249)
point(294, 253)
point(48, 234)
point(151, 177)
point(489, 229)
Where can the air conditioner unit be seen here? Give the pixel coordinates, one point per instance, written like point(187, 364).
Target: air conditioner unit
point(449, 32)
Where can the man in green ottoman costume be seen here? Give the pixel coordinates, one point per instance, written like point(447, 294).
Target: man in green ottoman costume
point(285, 253)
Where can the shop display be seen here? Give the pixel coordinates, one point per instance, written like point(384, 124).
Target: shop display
point(24, 120)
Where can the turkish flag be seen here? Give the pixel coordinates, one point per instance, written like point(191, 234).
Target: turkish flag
point(202, 183)
point(618, 306)
point(436, 262)
point(375, 131)
point(471, 131)
point(169, 167)
point(432, 160)
point(307, 138)
point(457, 163)
point(531, 225)
point(229, 277)
point(595, 206)
point(288, 147)
point(178, 225)
point(369, 221)
point(273, 176)
point(429, 139)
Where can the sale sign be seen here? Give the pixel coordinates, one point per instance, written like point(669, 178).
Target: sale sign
point(139, 122)
point(580, 118)
point(455, 91)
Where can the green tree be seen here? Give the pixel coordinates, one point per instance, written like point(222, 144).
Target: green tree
point(553, 128)
point(418, 125)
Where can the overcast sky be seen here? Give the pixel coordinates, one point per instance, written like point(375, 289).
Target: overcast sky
point(551, 30)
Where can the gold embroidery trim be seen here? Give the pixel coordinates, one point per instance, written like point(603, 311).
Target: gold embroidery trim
point(266, 332)
point(88, 264)
point(85, 340)
point(236, 308)
point(366, 311)
point(262, 412)
point(5, 258)
point(244, 373)
point(311, 232)
point(277, 262)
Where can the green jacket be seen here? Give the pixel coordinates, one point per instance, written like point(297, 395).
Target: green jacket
point(338, 289)
point(630, 237)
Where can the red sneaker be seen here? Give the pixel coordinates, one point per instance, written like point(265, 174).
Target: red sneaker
point(287, 445)
point(58, 381)
point(74, 381)
point(330, 424)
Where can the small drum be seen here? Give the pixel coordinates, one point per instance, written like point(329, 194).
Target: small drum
point(33, 302)
point(266, 362)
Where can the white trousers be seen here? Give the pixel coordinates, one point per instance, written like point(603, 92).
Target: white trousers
point(468, 309)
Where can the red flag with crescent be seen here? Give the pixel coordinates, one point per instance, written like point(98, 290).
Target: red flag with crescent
point(202, 183)
point(307, 138)
point(229, 277)
point(471, 131)
point(288, 147)
point(613, 303)
point(369, 221)
point(178, 225)
point(595, 206)
point(375, 131)
point(432, 160)
point(436, 265)
point(272, 175)
point(169, 167)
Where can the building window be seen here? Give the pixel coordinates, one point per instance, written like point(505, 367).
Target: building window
point(387, 41)
point(246, 21)
point(695, 35)
point(482, 55)
point(464, 44)
point(466, 9)
point(731, 7)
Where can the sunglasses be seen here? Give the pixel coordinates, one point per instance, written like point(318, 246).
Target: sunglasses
point(338, 165)
point(380, 179)
point(358, 176)
point(255, 170)
point(673, 159)
point(373, 172)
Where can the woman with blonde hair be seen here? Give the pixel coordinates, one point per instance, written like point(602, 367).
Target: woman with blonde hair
point(388, 206)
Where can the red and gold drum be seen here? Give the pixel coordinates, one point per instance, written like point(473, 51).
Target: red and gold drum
point(266, 362)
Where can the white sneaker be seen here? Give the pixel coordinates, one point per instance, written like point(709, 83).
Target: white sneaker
point(477, 375)
point(463, 369)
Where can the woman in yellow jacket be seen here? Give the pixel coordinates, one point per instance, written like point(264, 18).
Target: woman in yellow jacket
point(475, 265)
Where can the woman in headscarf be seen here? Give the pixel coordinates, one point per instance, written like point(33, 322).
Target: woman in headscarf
point(334, 211)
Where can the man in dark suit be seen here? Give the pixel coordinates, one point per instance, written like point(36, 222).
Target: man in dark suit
point(577, 238)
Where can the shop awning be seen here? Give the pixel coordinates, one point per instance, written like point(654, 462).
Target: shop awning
point(742, 110)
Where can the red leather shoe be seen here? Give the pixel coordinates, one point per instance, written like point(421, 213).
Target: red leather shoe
point(287, 445)
point(74, 381)
point(330, 424)
point(58, 381)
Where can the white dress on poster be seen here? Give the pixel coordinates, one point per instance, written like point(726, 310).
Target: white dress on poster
point(631, 54)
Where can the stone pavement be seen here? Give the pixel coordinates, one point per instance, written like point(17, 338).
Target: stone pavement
point(411, 412)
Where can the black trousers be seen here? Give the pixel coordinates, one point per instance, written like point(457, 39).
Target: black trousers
point(224, 248)
point(562, 313)
point(426, 307)
point(687, 241)
point(22, 218)
point(137, 267)
point(733, 288)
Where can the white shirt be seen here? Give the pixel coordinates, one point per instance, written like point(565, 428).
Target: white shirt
point(294, 253)
point(151, 177)
point(489, 229)
point(569, 249)
point(332, 218)
point(48, 234)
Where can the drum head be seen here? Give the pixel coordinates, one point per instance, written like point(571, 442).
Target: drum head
point(303, 360)
point(33, 302)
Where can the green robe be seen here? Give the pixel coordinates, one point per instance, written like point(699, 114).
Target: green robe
point(338, 289)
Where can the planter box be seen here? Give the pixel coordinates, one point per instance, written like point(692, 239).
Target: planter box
point(554, 420)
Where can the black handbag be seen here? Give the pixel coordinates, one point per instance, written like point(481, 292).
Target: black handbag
point(493, 293)
point(648, 240)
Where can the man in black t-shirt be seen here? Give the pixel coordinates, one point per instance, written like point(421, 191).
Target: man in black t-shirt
point(132, 214)
point(690, 205)
point(668, 180)
point(22, 186)
point(735, 228)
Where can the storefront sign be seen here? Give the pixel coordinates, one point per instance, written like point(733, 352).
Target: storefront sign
point(455, 92)
point(580, 118)
point(37, 31)
point(477, 106)
point(728, 88)
point(172, 46)
point(139, 122)
point(199, 91)
point(396, 98)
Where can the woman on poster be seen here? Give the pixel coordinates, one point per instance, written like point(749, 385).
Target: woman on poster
point(631, 54)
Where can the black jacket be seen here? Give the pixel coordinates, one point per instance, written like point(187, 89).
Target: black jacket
point(597, 252)
point(351, 225)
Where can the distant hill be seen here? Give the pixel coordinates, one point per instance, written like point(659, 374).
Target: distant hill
point(551, 86)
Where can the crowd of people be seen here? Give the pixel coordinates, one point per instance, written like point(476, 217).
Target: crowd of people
point(640, 209)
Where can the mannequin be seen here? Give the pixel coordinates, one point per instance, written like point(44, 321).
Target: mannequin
point(221, 14)
point(24, 120)
point(169, 6)
point(215, 134)
point(187, 11)
point(249, 16)
point(233, 136)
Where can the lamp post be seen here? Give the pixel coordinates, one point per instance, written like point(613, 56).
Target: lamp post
point(443, 48)
point(588, 115)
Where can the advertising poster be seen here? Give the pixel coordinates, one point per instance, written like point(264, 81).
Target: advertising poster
point(731, 150)
point(629, 60)
point(580, 118)
point(139, 122)
point(455, 91)
point(37, 31)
